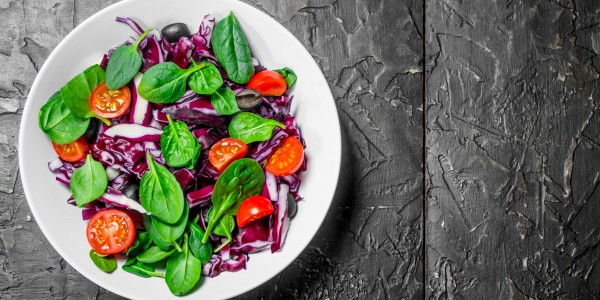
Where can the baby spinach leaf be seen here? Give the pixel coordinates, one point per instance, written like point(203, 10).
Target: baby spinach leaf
point(201, 251)
point(178, 145)
point(88, 182)
point(231, 49)
point(242, 179)
point(206, 80)
point(195, 157)
point(154, 236)
point(171, 232)
point(160, 193)
point(141, 243)
point(132, 265)
point(223, 100)
point(124, 64)
point(154, 254)
point(183, 270)
point(59, 123)
point(223, 228)
point(289, 76)
point(165, 82)
point(76, 93)
point(248, 127)
point(106, 263)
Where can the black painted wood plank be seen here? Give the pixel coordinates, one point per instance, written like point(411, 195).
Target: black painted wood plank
point(513, 155)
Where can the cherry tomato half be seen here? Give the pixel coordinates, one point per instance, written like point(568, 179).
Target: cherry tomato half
point(253, 208)
point(110, 231)
point(287, 159)
point(268, 83)
point(73, 151)
point(226, 151)
point(110, 103)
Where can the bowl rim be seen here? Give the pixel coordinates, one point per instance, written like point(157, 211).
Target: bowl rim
point(334, 142)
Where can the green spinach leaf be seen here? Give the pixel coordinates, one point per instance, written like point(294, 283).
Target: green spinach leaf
point(160, 193)
point(224, 102)
point(196, 155)
point(183, 270)
point(59, 123)
point(201, 251)
point(88, 182)
point(289, 76)
point(154, 236)
point(223, 228)
point(171, 232)
point(248, 127)
point(206, 80)
point(154, 254)
point(165, 82)
point(242, 179)
point(106, 263)
point(132, 265)
point(124, 64)
point(231, 49)
point(179, 146)
point(141, 243)
point(76, 93)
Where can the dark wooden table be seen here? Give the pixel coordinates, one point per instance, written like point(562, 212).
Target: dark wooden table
point(492, 193)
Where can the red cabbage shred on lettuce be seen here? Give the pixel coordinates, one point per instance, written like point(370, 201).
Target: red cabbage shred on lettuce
point(128, 157)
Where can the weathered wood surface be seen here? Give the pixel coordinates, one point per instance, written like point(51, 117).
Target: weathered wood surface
point(371, 244)
point(513, 149)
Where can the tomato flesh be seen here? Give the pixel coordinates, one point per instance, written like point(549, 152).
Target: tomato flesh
point(252, 209)
point(110, 231)
point(72, 152)
point(226, 151)
point(287, 159)
point(268, 83)
point(110, 103)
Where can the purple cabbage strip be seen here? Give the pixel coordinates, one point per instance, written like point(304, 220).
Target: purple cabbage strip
point(106, 58)
point(140, 111)
point(184, 177)
point(71, 201)
point(63, 169)
point(115, 198)
point(90, 210)
point(280, 221)
point(202, 37)
point(154, 150)
point(182, 52)
point(118, 153)
point(208, 136)
point(198, 111)
point(133, 24)
point(252, 238)
point(152, 54)
point(201, 197)
point(119, 182)
point(217, 265)
point(134, 132)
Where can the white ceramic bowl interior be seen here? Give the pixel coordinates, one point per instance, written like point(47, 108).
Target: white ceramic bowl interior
point(274, 46)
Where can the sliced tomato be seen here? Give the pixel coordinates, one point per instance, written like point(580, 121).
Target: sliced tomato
point(287, 159)
point(73, 151)
point(226, 151)
point(253, 208)
point(110, 231)
point(110, 103)
point(268, 83)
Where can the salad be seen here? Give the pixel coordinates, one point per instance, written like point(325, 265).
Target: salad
point(181, 151)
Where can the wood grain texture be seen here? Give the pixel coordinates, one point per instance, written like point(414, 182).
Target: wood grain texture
point(372, 241)
point(512, 150)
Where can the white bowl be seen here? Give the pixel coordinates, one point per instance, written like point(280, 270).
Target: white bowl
point(274, 46)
